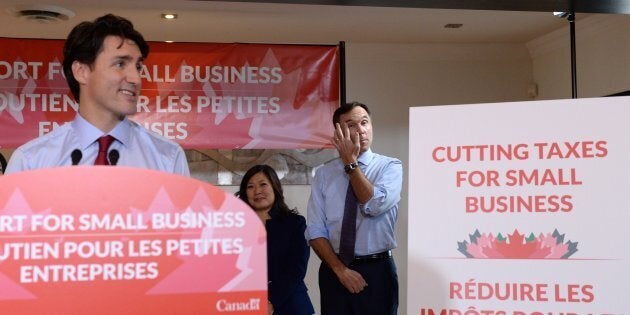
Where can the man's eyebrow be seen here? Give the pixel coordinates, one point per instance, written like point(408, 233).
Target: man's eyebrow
point(361, 118)
point(123, 57)
point(127, 58)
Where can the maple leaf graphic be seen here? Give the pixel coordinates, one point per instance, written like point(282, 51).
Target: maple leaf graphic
point(517, 246)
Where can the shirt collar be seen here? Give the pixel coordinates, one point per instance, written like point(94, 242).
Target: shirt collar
point(88, 133)
point(366, 157)
point(122, 131)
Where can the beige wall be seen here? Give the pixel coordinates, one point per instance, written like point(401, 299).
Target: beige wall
point(603, 62)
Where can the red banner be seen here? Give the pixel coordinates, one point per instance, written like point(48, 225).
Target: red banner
point(202, 95)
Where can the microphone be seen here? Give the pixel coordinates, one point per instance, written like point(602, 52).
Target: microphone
point(113, 157)
point(76, 156)
point(3, 164)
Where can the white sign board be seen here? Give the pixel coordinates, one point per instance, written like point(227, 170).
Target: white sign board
point(520, 208)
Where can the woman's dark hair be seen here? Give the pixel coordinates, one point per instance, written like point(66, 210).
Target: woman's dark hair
point(271, 174)
point(346, 108)
point(85, 42)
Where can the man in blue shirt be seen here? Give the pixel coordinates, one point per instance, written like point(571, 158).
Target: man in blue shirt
point(367, 282)
point(102, 64)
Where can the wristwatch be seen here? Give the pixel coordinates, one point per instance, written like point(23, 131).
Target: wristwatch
point(350, 167)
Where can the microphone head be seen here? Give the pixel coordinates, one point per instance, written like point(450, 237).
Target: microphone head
point(3, 164)
point(113, 157)
point(76, 156)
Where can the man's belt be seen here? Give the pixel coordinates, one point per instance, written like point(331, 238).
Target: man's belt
point(372, 257)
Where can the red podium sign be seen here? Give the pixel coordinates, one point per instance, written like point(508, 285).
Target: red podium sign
point(116, 240)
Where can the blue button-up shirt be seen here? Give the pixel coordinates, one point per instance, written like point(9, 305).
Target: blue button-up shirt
point(376, 219)
point(137, 148)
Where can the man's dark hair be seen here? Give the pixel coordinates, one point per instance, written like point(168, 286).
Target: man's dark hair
point(85, 42)
point(346, 108)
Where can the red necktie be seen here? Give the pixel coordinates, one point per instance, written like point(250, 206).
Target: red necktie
point(103, 145)
point(348, 228)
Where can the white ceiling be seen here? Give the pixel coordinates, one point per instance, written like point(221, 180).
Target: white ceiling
point(213, 21)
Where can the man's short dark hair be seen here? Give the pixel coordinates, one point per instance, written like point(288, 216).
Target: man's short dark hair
point(85, 42)
point(346, 108)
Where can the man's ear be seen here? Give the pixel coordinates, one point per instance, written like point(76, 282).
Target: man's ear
point(80, 71)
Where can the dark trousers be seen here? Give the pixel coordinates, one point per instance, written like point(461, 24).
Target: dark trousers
point(380, 297)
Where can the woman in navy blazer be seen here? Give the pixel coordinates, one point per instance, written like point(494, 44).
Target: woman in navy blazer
point(287, 249)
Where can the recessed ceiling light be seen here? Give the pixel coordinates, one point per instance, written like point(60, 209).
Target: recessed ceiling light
point(169, 41)
point(169, 16)
point(453, 25)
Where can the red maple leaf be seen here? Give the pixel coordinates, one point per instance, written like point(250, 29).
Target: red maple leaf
point(516, 247)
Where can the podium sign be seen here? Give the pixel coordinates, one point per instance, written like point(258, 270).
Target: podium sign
point(116, 240)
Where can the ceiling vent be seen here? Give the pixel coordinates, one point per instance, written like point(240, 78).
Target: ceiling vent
point(41, 13)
